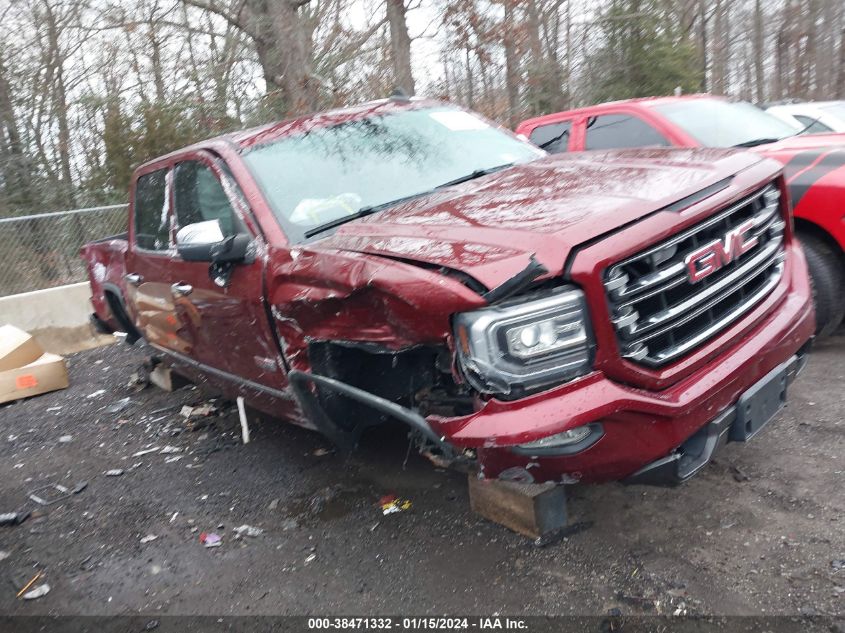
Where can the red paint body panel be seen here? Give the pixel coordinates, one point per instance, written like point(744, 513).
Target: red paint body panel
point(640, 425)
point(821, 205)
point(106, 265)
point(380, 281)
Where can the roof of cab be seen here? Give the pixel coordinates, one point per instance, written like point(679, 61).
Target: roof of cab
point(259, 135)
point(271, 131)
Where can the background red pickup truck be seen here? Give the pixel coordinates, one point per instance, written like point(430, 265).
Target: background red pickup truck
point(814, 165)
point(408, 260)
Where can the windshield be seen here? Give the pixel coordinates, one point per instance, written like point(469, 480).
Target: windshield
point(836, 109)
point(717, 123)
point(325, 174)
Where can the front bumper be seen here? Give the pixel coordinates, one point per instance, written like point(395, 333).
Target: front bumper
point(729, 426)
point(638, 426)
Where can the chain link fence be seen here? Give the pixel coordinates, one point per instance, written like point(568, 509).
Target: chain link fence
point(42, 251)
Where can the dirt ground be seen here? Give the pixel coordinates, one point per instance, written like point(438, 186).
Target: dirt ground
point(761, 531)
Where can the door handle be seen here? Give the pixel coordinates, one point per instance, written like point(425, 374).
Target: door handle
point(180, 289)
point(133, 278)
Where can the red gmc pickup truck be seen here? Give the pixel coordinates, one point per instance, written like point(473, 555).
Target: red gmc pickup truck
point(577, 317)
point(814, 165)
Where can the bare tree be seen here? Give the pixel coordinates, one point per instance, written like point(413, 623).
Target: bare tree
point(400, 46)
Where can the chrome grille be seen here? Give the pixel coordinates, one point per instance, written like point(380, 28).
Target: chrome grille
point(660, 314)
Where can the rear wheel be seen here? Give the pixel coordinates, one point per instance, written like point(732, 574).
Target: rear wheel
point(828, 280)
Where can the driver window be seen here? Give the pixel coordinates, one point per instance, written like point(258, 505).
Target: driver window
point(200, 197)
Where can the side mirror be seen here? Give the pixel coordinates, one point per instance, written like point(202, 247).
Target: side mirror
point(195, 241)
point(232, 250)
point(205, 242)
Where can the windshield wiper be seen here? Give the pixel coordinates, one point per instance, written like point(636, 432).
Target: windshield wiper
point(757, 141)
point(764, 141)
point(807, 127)
point(360, 213)
point(478, 173)
point(364, 211)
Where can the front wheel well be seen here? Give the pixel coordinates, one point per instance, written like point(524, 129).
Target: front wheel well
point(807, 227)
point(827, 277)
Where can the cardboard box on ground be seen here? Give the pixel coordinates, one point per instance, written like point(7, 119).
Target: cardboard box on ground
point(25, 369)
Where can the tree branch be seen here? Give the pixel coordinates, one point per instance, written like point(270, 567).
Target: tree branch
point(235, 20)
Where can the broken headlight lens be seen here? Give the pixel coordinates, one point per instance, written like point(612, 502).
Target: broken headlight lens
point(521, 346)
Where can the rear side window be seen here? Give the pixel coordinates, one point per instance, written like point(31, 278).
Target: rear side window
point(811, 125)
point(612, 131)
point(554, 138)
point(199, 196)
point(152, 222)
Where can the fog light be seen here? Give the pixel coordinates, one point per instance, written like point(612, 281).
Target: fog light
point(572, 436)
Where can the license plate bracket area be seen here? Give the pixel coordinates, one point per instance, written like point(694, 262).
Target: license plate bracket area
point(759, 404)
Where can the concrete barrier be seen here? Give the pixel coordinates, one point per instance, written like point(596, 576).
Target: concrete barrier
point(56, 317)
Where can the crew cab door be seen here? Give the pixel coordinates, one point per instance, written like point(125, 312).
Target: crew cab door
point(224, 319)
point(217, 324)
point(148, 299)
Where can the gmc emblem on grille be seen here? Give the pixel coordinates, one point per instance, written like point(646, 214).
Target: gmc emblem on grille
point(709, 258)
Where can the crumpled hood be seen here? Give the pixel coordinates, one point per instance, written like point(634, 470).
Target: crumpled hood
point(489, 227)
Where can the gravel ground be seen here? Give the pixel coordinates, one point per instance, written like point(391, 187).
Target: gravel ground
point(761, 531)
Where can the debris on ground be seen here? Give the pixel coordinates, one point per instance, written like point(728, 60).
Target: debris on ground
point(13, 518)
point(310, 558)
point(244, 421)
point(318, 502)
point(210, 539)
point(171, 459)
point(391, 504)
point(31, 582)
point(120, 405)
point(4, 554)
point(168, 450)
point(146, 451)
point(199, 411)
point(65, 439)
point(38, 592)
point(55, 493)
point(25, 369)
point(149, 538)
point(248, 530)
point(114, 472)
point(138, 382)
point(96, 394)
point(321, 452)
point(199, 416)
point(738, 474)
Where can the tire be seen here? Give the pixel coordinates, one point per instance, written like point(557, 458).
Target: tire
point(116, 306)
point(827, 278)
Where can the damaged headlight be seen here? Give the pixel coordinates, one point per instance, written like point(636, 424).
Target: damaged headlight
point(520, 346)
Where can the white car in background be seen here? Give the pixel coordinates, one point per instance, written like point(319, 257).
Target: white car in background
point(818, 117)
